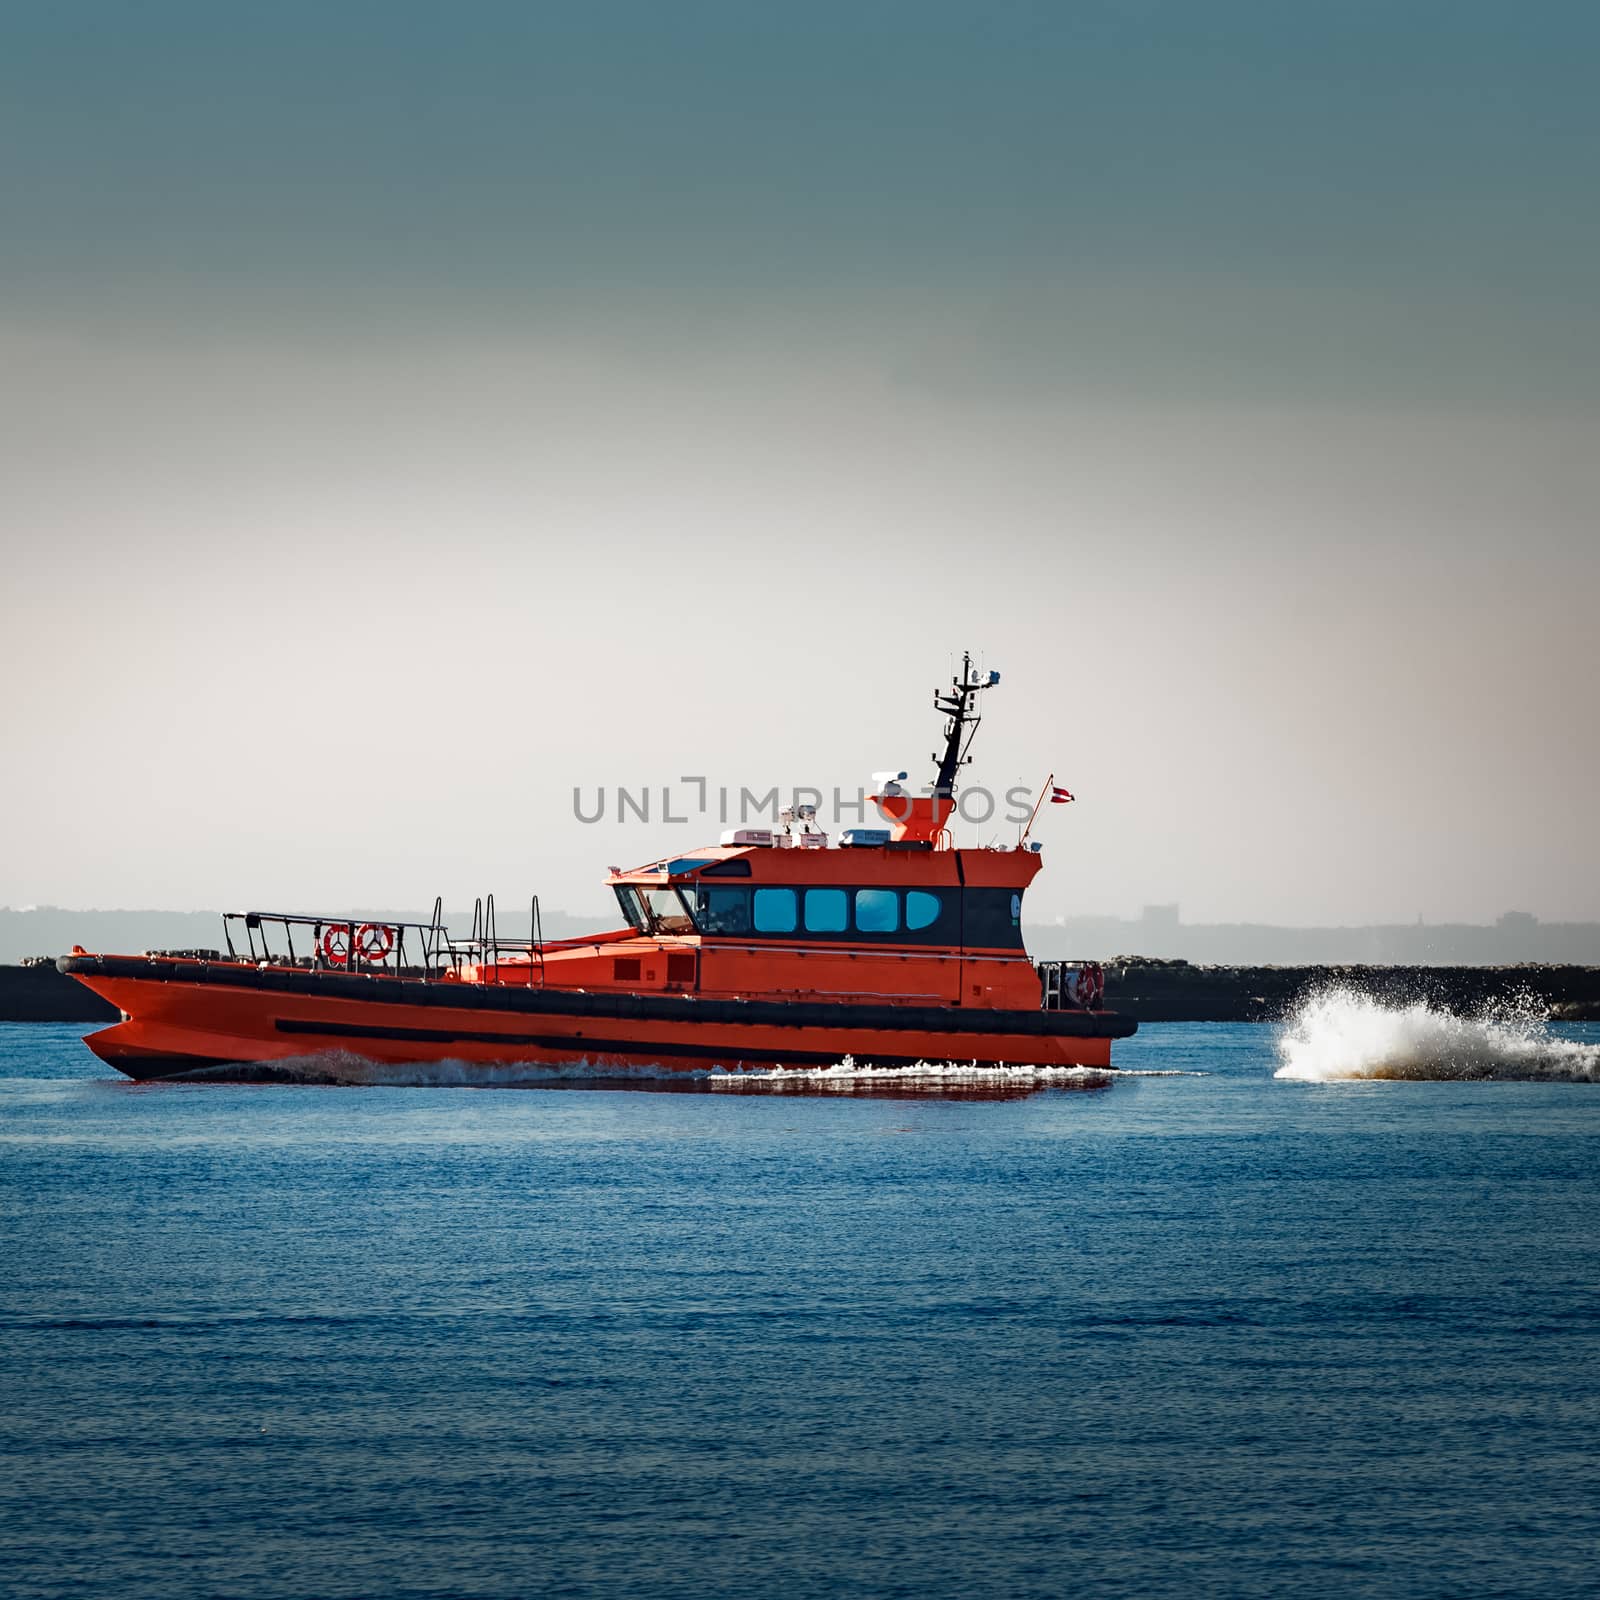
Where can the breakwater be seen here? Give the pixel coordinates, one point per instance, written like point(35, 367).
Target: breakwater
point(1177, 991)
point(36, 992)
point(1150, 991)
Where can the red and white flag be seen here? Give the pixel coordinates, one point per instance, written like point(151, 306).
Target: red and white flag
point(1059, 796)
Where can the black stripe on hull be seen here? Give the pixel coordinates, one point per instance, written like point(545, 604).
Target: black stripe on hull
point(577, 1046)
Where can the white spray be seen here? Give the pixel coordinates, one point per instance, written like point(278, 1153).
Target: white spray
point(1341, 1033)
point(846, 1076)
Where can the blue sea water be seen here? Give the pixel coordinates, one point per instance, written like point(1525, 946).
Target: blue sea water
point(1221, 1334)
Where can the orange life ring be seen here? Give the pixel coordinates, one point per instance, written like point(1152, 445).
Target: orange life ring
point(375, 941)
point(336, 944)
point(1092, 985)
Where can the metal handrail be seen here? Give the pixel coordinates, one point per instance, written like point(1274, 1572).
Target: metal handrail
point(413, 949)
point(426, 947)
point(1059, 979)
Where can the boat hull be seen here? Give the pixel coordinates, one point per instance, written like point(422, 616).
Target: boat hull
point(183, 1015)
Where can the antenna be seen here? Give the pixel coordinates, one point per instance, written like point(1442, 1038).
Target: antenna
point(960, 707)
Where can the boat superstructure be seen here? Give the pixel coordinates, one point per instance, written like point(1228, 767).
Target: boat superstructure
point(774, 947)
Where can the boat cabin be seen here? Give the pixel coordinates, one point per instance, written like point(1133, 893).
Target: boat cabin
point(876, 922)
point(892, 915)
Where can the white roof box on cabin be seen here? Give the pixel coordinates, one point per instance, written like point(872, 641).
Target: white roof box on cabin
point(864, 836)
point(747, 836)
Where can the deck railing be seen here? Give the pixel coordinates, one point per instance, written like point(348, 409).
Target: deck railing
point(1071, 985)
point(385, 945)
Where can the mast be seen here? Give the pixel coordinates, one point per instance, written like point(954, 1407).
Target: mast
point(960, 706)
point(921, 819)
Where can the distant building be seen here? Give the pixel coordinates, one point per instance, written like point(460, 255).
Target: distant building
point(1159, 919)
point(1516, 921)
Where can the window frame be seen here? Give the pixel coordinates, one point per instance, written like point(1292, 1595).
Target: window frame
point(631, 904)
point(703, 895)
point(895, 896)
point(947, 926)
point(794, 903)
point(657, 926)
point(820, 889)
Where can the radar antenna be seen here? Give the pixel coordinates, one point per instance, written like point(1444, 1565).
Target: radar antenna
point(960, 707)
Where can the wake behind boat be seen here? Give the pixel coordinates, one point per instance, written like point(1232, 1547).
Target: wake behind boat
point(773, 948)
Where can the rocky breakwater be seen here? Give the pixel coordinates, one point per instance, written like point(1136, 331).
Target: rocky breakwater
point(1150, 991)
point(1176, 991)
point(36, 992)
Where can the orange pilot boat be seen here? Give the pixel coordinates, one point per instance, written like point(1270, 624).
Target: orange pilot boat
point(771, 949)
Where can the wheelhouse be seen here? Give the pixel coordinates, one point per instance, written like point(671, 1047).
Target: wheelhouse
point(842, 909)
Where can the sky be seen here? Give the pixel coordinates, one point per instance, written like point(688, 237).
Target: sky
point(414, 414)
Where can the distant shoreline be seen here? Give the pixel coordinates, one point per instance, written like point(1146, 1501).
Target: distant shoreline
point(1516, 937)
point(1150, 991)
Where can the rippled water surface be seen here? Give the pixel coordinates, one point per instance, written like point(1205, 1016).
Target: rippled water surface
point(1223, 1334)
